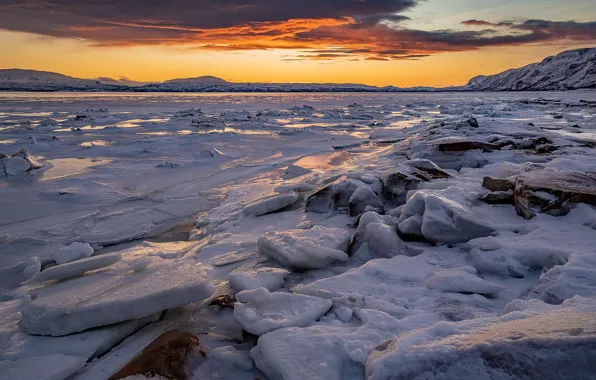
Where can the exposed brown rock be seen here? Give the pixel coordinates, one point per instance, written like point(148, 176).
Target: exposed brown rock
point(553, 192)
point(407, 175)
point(499, 198)
point(166, 356)
point(223, 301)
point(545, 149)
point(453, 145)
point(497, 184)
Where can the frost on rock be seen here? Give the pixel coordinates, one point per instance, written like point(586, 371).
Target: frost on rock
point(306, 249)
point(553, 192)
point(517, 345)
point(461, 282)
point(73, 252)
point(103, 299)
point(444, 219)
point(271, 204)
point(270, 278)
point(259, 311)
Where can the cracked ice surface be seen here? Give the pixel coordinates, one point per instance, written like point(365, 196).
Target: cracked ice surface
point(353, 239)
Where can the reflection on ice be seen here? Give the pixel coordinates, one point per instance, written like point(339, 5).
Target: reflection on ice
point(63, 167)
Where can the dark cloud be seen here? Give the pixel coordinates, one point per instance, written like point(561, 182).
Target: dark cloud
point(321, 29)
point(477, 23)
point(58, 17)
point(579, 31)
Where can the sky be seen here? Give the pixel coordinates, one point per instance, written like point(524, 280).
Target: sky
point(378, 42)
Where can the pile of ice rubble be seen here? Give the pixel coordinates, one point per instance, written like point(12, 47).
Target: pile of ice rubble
point(17, 164)
point(464, 250)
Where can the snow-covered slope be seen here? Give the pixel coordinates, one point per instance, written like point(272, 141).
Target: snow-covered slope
point(204, 80)
point(569, 70)
point(32, 80)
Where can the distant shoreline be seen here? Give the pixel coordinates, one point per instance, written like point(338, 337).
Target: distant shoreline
point(283, 91)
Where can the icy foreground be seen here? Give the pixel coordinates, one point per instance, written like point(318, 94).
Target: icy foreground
point(324, 236)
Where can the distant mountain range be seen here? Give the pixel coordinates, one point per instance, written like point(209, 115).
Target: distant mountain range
point(570, 70)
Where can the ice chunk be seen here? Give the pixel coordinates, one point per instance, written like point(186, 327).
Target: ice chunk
point(259, 311)
point(461, 282)
point(13, 276)
point(24, 154)
point(271, 204)
point(306, 249)
point(77, 268)
point(344, 313)
point(379, 235)
point(73, 252)
point(361, 198)
point(17, 165)
point(304, 353)
point(270, 278)
point(444, 220)
point(105, 298)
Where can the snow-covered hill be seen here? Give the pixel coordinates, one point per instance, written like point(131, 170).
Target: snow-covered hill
point(569, 70)
point(32, 80)
point(206, 80)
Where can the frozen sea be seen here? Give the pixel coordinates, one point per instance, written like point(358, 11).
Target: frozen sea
point(344, 235)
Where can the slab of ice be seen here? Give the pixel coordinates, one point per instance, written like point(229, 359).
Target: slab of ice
point(306, 249)
point(77, 268)
point(73, 252)
point(461, 282)
point(271, 204)
point(270, 278)
point(259, 311)
point(297, 354)
point(444, 218)
point(398, 275)
point(48, 367)
point(297, 187)
point(104, 298)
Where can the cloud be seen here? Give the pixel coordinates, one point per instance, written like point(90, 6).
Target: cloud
point(320, 29)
